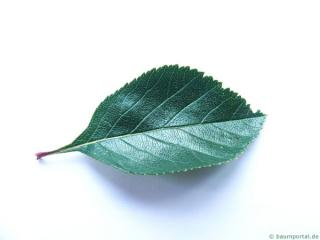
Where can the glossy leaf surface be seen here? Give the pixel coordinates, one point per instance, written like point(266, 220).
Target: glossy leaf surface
point(168, 120)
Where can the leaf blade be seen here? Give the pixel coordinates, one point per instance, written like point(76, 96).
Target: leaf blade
point(172, 100)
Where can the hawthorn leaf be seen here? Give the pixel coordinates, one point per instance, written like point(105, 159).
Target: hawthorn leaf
point(168, 120)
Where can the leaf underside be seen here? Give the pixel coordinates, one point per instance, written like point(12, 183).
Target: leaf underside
point(168, 120)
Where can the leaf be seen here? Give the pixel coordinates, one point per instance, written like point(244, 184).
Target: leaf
point(168, 120)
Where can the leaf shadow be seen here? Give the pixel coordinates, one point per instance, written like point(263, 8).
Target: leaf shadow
point(177, 190)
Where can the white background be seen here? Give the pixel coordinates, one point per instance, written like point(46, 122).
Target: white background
point(60, 59)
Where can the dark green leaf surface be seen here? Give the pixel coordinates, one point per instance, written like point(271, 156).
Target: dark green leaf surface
point(168, 120)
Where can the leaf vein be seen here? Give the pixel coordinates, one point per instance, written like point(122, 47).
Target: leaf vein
point(165, 101)
point(204, 139)
point(214, 109)
point(193, 102)
point(134, 105)
point(121, 155)
point(238, 108)
point(182, 146)
point(147, 152)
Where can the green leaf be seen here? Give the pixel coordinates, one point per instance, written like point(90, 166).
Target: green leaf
point(168, 120)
